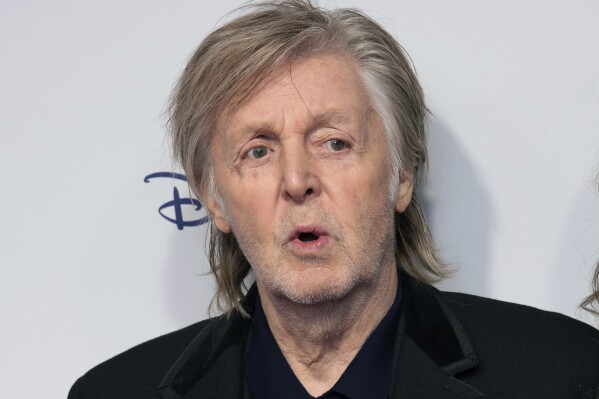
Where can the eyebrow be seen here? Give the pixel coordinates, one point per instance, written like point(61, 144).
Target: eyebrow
point(327, 118)
point(330, 117)
point(255, 129)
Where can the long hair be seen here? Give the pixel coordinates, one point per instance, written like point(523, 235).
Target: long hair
point(236, 57)
point(591, 302)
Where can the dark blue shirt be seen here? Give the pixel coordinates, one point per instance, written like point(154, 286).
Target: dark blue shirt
point(368, 376)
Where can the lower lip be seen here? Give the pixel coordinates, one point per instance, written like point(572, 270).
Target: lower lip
point(309, 246)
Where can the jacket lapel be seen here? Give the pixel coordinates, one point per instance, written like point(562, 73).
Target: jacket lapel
point(212, 364)
point(431, 348)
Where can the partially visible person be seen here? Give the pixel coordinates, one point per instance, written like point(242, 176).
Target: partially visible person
point(591, 302)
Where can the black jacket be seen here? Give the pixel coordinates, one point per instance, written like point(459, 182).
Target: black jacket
point(448, 345)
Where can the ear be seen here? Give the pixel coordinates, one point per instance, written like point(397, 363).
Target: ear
point(404, 192)
point(216, 214)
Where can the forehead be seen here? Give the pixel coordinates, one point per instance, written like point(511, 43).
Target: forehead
point(325, 86)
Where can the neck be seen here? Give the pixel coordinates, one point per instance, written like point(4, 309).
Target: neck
point(319, 341)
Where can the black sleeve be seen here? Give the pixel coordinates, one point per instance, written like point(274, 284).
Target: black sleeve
point(74, 392)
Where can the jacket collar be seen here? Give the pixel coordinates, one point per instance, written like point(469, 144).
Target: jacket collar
point(431, 349)
point(212, 364)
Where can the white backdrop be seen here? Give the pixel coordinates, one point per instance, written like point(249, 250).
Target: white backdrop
point(90, 268)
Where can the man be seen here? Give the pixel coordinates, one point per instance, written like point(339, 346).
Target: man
point(302, 132)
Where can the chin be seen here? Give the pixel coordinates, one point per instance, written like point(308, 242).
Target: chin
point(316, 289)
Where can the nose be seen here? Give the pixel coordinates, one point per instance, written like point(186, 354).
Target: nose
point(300, 180)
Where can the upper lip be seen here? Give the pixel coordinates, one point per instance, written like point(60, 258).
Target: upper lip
point(314, 229)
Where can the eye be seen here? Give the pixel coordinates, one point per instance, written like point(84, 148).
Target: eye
point(337, 145)
point(257, 152)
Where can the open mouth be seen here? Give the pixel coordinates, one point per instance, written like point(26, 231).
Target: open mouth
point(307, 237)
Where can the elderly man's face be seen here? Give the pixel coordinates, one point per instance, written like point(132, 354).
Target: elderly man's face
point(302, 168)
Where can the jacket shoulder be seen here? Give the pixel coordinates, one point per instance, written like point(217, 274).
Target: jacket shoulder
point(520, 344)
point(515, 319)
point(137, 372)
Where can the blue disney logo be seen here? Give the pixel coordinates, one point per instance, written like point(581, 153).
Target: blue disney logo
point(177, 203)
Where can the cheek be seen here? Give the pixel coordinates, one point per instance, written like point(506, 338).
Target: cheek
point(366, 188)
point(253, 199)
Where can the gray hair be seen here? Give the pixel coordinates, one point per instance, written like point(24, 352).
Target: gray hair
point(236, 57)
point(591, 302)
